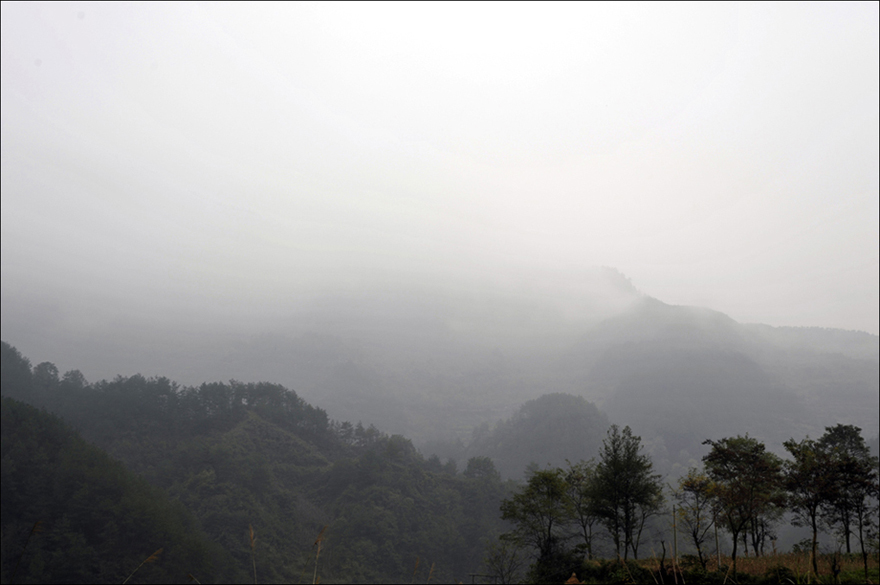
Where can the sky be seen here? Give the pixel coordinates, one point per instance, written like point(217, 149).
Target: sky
point(226, 161)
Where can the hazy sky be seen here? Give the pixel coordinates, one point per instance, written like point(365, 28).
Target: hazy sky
point(228, 158)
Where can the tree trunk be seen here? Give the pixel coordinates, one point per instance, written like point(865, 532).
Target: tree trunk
point(733, 555)
point(813, 553)
point(862, 543)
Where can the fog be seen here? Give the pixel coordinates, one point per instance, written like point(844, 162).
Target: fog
point(178, 176)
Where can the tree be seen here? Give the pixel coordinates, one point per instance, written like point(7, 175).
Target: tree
point(809, 479)
point(852, 458)
point(761, 527)
point(625, 491)
point(503, 562)
point(540, 513)
point(16, 378)
point(696, 508)
point(580, 478)
point(480, 468)
point(45, 382)
point(856, 486)
point(747, 483)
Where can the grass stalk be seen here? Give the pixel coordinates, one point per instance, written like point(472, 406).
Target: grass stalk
point(253, 552)
point(659, 567)
point(150, 559)
point(622, 562)
point(727, 575)
point(318, 542)
point(35, 530)
point(416, 568)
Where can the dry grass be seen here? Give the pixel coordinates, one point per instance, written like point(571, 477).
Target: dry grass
point(413, 580)
point(318, 541)
point(38, 527)
point(150, 559)
point(798, 563)
point(253, 551)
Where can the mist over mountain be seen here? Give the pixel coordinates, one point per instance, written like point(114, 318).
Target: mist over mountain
point(436, 363)
point(365, 265)
point(399, 211)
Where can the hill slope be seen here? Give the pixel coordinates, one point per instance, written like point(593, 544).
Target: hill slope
point(256, 455)
point(98, 521)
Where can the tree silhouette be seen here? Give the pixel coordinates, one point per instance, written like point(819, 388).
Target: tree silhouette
point(748, 483)
point(625, 491)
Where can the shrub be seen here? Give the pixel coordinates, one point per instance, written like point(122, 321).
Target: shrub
point(780, 574)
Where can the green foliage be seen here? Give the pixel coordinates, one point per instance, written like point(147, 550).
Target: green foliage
point(580, 478)
point(625, 491)
point(780, 574)
point(481, 467)
point(98, 520)
point(809, 479)
point(556, 567)
point(234, 455)
point(550, 430)
point(558, 504)
point(16, 378)
point(540, 512)
point(237, 454)
point(853, 506)
point(695, 510)
point(614, 571)
point(855, 481)
point(392, 510)
point(503, 562)
point(747, 484)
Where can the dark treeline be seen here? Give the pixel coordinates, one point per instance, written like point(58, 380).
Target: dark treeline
point(204, 466)
point(140, 406)
point(563, 515)
point(548, 430)
point(236, 456)
point(71, 514)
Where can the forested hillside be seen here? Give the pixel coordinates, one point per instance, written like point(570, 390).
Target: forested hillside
point(238, 456)
point(246, 481)
point(546, 431)
point(436, 369)
point(72, 514)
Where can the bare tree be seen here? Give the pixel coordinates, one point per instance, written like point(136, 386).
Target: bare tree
point(504, 561)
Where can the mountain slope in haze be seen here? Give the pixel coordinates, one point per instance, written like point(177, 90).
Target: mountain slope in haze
point(679, 375)
point(429, 363)
point(546, 431)
point(97, 521)
point(256, 455)
point(702, 361)
point(434, 364)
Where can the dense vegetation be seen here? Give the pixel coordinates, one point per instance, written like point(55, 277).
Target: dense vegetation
point(83, 516)
point(243, 481)
point(548, 430)
point(240, 455)
point(744, 491)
